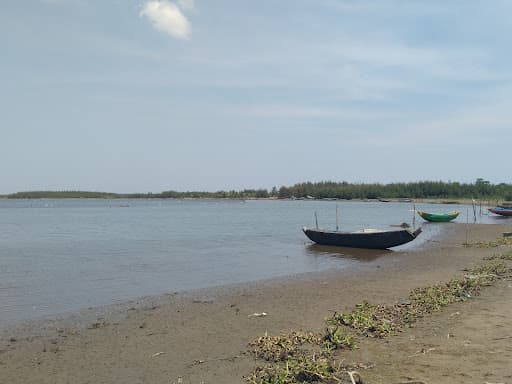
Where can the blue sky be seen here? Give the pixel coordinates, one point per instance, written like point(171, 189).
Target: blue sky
point(145, 96)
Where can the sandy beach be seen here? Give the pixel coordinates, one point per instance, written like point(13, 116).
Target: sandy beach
point(203, 336)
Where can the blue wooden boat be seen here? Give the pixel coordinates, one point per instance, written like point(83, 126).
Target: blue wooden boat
point(365, 238)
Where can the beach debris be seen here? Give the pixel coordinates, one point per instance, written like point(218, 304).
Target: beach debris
point(284, 346)
point(503, 256)
point(256, 314)
point(336, 338)
point(422, 351)
point(355, 377)
point(234, 306)
point(151, 307)
point(411, 382)
point(303, 369)
point(157, 354)
point(505, 240)
point(98, 325)
point(368, 320)
point(230, 358)
point(299, 357)
point(203, 301)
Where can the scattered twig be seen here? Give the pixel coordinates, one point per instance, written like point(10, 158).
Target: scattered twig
point(413, 382)
point(422, 351)
point(201, 361)
point(357, 379)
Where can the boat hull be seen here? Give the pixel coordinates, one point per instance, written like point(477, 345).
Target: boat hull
point(371, 240)
point(438, 217)
point(501, 211)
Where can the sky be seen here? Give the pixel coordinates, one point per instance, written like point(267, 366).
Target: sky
point(148, 96)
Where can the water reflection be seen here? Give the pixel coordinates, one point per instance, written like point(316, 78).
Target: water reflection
point(359, 254)
point(500, 218)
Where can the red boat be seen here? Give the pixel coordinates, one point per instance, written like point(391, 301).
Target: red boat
point(501, 211)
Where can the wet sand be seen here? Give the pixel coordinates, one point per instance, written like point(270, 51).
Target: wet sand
point(202, 336)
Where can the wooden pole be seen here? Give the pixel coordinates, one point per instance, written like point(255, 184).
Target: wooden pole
point(316, 220)
point(467, 223)
point(414, 216)
point(337, 220)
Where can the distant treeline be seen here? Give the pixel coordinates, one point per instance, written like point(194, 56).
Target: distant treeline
point(322, 190)
point(419, 190)
point(244, 194)
point(61, 195)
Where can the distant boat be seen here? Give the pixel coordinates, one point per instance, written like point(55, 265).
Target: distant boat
point(365, 238)
point(439, 217)
point(501, 211)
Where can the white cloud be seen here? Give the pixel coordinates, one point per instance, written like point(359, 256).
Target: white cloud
point(168, 18)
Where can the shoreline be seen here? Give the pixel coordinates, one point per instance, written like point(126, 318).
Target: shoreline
point(444, 201)
point(202, 335)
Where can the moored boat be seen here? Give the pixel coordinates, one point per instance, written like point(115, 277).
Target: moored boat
point(366, 238)
point(501, 211)
point(439, 217)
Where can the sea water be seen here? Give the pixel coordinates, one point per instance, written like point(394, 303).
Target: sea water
point(58, 256)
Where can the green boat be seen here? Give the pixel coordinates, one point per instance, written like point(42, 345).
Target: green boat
point(439, 217)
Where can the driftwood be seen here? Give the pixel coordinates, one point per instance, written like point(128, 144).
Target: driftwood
point(355, 377)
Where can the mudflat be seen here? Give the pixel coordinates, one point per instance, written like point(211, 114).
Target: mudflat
point(202, 336)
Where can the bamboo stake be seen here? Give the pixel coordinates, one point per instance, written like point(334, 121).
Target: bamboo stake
point(467, 223)
point(414, 216)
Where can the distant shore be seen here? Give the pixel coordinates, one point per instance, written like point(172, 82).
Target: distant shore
point(202, 336)
point(445, 201)
point(447, 192)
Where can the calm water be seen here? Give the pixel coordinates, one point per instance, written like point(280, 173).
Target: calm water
point(58, 256)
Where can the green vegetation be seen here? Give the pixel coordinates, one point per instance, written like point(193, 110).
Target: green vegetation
point(490, 244)
point(62, 195)
point(480, 189)
point(244, 194)
point(299, 357)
